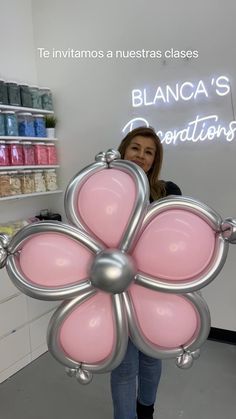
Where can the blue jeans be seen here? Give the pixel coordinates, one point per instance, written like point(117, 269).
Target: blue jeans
point(124, 382)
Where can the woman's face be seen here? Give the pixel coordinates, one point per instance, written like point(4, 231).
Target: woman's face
point(141, 151)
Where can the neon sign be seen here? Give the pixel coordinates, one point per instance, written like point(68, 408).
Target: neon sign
point(180, 91)
point(200, 128)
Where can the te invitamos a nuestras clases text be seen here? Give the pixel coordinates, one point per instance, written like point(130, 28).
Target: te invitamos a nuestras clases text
point(117, 54)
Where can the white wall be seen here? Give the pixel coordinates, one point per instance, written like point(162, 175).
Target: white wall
point(18, 62)
point(93, 97)
point(17, 43)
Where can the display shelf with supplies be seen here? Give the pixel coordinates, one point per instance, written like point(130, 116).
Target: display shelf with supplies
point(24, 109)
point(22, 138)
point(22, 196)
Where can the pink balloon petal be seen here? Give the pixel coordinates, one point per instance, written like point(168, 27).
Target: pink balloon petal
point(87, 334)
point(166, 320)
point(176, 245)
point(105, 203)
point(53, 259)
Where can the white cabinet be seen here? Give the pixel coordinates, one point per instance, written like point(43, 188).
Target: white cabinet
point(13, 315)
point(7, 289)
point(37, 308)
point(14, 352)
point(38, 335)
point(23, 329)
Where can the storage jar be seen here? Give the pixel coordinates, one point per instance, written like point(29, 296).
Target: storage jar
point(39, 181)
point(36, 97)
point(50, 179)
point(52, 154)
point(15, 183)
point(26, 124)
point(46, 96)
point(16, 153)
point(10, 122)
point(39, 126)
point(25, 95)
point(5, 186)
point(13, 91)
point(4, 154)
point(28, 153)
point(27, 182)
point(2, 125)
point(3, 93)
point(40, 152)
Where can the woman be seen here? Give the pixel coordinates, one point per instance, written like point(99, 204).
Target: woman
point(143, 147)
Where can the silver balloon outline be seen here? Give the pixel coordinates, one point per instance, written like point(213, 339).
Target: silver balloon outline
point(213, 219)
point(152, 350)
point(120, 328)
point(228, 228)
point(41, 292)
point(122, 306)
point(72, 192)
point(140, 205)
point(4, 242)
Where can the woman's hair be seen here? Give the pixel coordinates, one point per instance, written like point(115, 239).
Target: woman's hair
point(157, 187)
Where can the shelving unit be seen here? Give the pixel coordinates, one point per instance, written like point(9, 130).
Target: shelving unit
point(23, 320)
point(38, 167)
point(24, 109)
point(30, 195)
point(32, 139)
point(40, 139)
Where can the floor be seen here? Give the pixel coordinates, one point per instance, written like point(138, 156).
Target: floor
point(43, 391)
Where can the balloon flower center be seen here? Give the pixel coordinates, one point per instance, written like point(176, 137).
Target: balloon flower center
point(112, 271)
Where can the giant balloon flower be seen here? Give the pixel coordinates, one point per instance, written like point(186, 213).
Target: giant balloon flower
point(124, 268)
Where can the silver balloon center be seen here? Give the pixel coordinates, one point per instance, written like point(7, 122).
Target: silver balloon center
point(112, 271)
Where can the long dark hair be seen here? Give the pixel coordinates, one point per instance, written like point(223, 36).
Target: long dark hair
point(157, 187)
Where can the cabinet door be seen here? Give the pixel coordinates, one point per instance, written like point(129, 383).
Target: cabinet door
point(36, 308)
point(7, 289)
point(38, 334)
point(14, 352)
point(13, 314)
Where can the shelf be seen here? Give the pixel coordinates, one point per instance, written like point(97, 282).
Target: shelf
point(24, 109)
point(41, 139)
point(38, 167)
point(30, 195)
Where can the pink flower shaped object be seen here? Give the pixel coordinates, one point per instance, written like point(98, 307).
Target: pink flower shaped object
point(124, 268)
